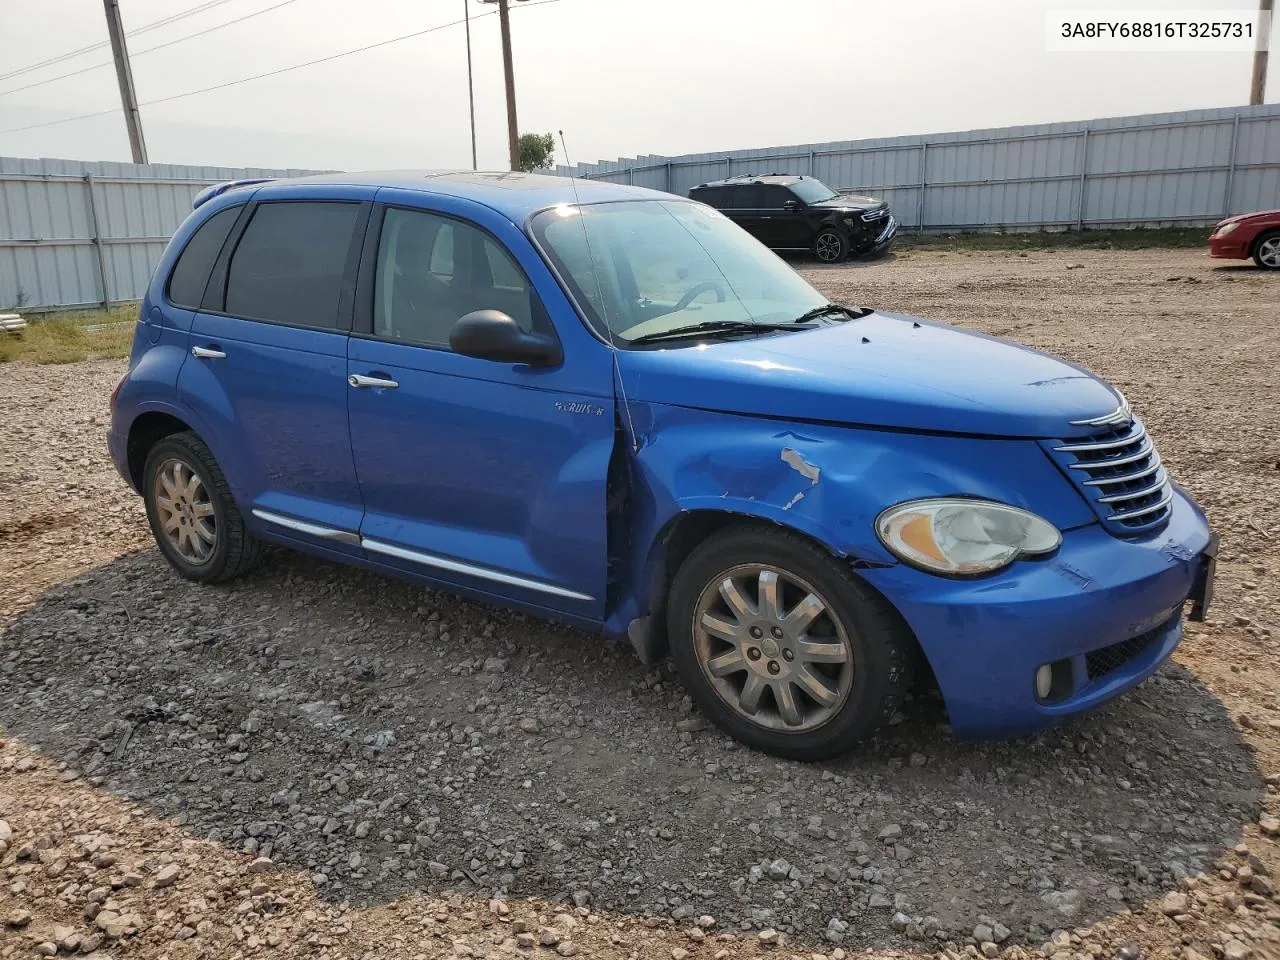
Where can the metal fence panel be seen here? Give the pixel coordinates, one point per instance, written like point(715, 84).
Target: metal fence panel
point(76, 233)
point(1171, 168)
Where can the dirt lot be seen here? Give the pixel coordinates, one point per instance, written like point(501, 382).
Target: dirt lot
point(429, 777)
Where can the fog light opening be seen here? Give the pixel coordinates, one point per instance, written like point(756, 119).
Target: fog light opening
point(1044, 682)
point(1054, 681)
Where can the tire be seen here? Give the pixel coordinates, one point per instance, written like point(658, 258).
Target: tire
point(859, 693)
point(1268, 258)
point(200, 507)
point(829, 246)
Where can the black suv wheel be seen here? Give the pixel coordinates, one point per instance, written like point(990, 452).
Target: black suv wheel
point(829, 246)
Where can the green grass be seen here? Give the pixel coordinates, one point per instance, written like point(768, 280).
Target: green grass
point(62, 337)
point(1135, 239)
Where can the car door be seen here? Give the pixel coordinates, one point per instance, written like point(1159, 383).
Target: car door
point(486, 476)
point(747, 212)
point(267, 371)
point(789, 218)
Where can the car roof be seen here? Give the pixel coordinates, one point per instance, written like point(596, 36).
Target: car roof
point(781, 179)
point(513, 194)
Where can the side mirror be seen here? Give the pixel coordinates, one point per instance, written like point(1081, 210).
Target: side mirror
point(792, 205)
point(493, 335)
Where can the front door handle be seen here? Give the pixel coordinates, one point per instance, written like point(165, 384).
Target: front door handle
point(358, 381)
point(208, 353)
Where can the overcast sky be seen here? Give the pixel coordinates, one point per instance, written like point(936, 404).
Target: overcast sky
point(621, 78)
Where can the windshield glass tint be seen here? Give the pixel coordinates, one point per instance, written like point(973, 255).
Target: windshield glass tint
point(644, 267)
point(812, 191)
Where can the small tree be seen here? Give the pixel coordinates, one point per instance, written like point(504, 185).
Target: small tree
point(537, 151)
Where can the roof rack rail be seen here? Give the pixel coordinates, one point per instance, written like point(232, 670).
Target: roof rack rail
point(218, 189)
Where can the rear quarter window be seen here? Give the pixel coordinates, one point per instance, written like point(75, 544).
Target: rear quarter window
point(191, 273)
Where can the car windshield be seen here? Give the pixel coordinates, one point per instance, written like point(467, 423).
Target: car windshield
point(645, 267)
point(812, 191)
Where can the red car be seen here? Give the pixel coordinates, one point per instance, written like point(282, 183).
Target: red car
point(1248, 235)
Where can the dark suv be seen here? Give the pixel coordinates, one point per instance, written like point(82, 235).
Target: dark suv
point(801, 213)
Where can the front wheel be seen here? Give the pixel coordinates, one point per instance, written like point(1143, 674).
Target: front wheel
point(829, 246)
point(782, 648)
point(1266, 252)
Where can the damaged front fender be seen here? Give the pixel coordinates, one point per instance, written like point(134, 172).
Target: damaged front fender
point(828, 482)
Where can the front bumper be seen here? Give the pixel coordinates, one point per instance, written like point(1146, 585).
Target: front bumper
point(1230, 247)
point(1112, 608)
point(867, 242)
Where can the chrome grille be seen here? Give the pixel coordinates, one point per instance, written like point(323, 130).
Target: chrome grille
point(1120, 474)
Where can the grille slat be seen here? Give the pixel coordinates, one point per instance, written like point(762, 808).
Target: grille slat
point(1140, 475)
point(1097, 446)
point(1136, 494)
point(1121, 475)
point(1159, 506)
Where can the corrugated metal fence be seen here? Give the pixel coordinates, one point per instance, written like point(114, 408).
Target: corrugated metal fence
point(79, 234)
point(1157, 169)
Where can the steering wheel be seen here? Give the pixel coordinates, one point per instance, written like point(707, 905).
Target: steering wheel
point(697, 290)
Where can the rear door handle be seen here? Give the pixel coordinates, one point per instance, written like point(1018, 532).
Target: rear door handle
point(356, 380)
point(208, 353)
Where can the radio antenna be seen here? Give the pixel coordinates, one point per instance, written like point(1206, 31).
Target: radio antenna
point(595, 279)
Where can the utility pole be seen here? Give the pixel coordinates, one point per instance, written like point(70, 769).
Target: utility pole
point(471, 92)
point(128, 98)
point(513, 134)
point(1259, 85)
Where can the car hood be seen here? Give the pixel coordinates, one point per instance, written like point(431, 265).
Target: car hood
point(883, 370)
point(849, 201)
point(1260, 214)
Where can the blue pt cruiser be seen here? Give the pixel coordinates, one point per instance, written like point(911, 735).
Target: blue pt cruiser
point(613, 407)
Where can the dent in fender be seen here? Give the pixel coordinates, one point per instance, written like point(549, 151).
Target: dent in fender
point(824, 481)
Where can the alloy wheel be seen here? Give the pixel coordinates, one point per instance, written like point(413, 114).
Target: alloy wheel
point(186, 512)
point(1269, 252)
point(828, 247)
point(773, 649)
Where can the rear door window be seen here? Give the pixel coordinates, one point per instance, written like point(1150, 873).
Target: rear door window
point(746, 197)
point(191, 273)
point(290, 263)
point(718, 197)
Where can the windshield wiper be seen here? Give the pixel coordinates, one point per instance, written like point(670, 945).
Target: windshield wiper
point(717, 326)
point(827, 308)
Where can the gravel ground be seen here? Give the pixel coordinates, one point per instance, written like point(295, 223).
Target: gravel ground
point(319, 761)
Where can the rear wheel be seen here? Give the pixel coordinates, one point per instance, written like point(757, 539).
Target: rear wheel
point(193, 516)
point(829, 246)
point(782, 648)
point(1266, 251)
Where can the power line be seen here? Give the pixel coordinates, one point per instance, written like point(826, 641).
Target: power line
point(160, 46)
point(274, 73)
point(154, 25)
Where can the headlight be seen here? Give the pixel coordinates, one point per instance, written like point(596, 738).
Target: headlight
point(1226, 228)
point(959, 537)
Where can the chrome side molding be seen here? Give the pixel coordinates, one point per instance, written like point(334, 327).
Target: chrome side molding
point(456, 566)
point(415, 556)
point(311, 529)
